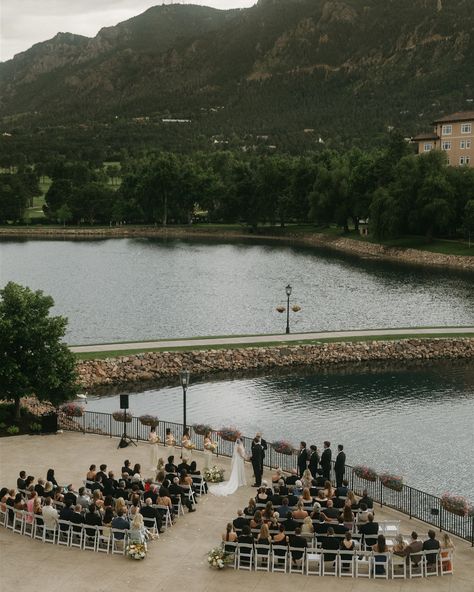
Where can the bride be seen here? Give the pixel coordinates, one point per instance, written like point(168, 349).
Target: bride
point(237, 473)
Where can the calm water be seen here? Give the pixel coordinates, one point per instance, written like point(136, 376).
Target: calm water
point(139, 289)
point(414, 420)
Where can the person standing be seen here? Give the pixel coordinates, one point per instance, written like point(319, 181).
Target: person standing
point(340, 465)
point(313, 461)
point(326, 457)
point(264, 446)
point(303, 457)
point(153, 441)
point(257, 461)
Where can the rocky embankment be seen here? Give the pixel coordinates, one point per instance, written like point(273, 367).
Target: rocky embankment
point(340, 244)
point(157, 365)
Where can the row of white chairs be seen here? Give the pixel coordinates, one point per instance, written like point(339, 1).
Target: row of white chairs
point(355, 564)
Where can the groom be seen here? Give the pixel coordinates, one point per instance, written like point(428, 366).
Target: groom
point(257, 461)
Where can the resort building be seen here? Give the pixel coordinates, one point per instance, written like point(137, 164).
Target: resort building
point(453, 134)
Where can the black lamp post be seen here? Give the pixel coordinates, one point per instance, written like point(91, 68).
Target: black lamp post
point(184, 378)
point(288, 294)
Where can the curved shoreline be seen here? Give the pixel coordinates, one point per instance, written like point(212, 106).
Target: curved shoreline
point(338, 244)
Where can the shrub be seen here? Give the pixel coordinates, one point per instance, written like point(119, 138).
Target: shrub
point(72, 410)
point(13, 430)
point(35, 427)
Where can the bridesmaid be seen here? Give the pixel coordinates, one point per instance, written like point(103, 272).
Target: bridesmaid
point(208, 449)
point(170, 442)
point(153, 441)
point(186, 446)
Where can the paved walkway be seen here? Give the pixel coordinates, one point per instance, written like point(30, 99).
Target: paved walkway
point(279, 338)
point(177, 561)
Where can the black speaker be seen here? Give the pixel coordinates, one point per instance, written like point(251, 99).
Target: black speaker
point(123, 401)
point(49, 423)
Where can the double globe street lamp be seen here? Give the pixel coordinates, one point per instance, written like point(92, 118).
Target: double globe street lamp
point(184, 377)
point(294, 308)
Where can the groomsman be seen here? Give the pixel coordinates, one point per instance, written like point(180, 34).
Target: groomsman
point(326, 461)
point(313, 460)
point(340, 465)
point(263, 444)
point(257, 461)
point(303, 457)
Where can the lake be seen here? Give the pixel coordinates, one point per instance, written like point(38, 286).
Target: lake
point(143, 289)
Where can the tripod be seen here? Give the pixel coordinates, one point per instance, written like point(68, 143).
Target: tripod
point(125, 440)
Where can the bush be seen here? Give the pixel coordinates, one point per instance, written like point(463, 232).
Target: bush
point(72, 410)
point(13, 430)
point(7, 411)
point(35, 427)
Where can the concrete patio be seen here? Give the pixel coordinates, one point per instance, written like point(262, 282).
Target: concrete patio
point(178, 560)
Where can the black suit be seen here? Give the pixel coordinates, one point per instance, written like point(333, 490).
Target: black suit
point(340, 467)
point(291, 525)
point(326, 463)
point(299, 542)
point(240, 522)
point(313, 464)
point(369, 530)
point(330, 543)
point(303, 457)
point(77, 518)
point(92, 519)
point(431, 545)
point(257, 462)
point(151, 513)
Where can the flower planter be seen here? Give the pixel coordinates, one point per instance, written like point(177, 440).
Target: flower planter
point(229, 434)
point(283, 447)
point(456, 504)
point(393, 482)
point(149, 420)
point(72, 410)
point(201, 429)
point(123, 416)
point(366, 473)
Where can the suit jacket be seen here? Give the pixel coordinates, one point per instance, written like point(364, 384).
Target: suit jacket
point(303, 457)
point(246, 539)
point(330, 543)
point(292, 479)
point(291, 524)
point(263, 444)
point(414, 547)
point(257, 453)
point(313, 463)
point(326, 458)
point(340, 463)
point(121, 523)
point(65, 514)
point(369, 528)
point(77, 518)
point(240, 522)
point(71, 497)
point(431, 544)
point(299, 542)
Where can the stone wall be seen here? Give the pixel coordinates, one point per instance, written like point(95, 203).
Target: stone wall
point(158, 365)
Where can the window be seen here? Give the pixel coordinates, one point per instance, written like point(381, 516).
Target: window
point(427, 147)
point(464, 160)
point(447, 130)
point(446, 145)
point(465, 144)
point(466, 128)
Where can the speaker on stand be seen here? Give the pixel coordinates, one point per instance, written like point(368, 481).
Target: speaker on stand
point(124, 440)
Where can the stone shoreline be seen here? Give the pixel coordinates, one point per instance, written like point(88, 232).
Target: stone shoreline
point(149, 366)
point(339, 244)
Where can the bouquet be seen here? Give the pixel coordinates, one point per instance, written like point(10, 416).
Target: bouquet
point(212, 446)
point(188, 445)
point(229, 434)
point(364, 472)
point(201, 429)
point(456, 504)
point(391, 481)
point(72, 410)
point(149, 420)
point(136, 551)
point(214, 474)
point(122, 416)
point(218, 558)
point(283, 447)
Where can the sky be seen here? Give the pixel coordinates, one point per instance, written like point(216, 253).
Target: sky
point(25, 22)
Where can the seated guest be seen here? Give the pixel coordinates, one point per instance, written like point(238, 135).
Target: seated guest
point(379, 547)
point(185, 479)
point(30, 505)
point(246, 536)
point(363, 514)
point(307, 479)
point(330, 512)
point(413, 548)
point(352, 500)
point(306, 498)
point(330, 543)
point(340, 527)
point(298, 541)
point(57, 495)
point(277, 475)
point(290, 523)
point(120, 522)
point(176, 489)
point(300, 512)
point(91, 473)
point(183, 466)
point(280, 538)
point(239, 522)
point(127, 469)
point(151, 494)
point(21, 481)
point(48, 490)
point(229, 536)
point(120, 490)
point(102, 472)
point(49, 514)
point(321, 498)
point(369, 531)
point(282, 487)
point(251, 508)
point(77, 518)
point(38, 510)
point(293, 478)
point(268, 513)
point(276, 498)
point(70, 496)
point(193, 469)
point(365, 499)
point(138, 532)
point(316, 512)
point(343, 490)
point(307, 528)
point(111, 484)
point(97, 499)
point(263, 537)
point(39, 487)
point(431, 544)
point(92, 518)
point(284, 508)
point(97, 485)
point(257, 520)
point(298, 488)
point(348, 517)
point(447, 547)
point(329, 490)
point(65, 513)
point(399, 548)
point(51, 478)
point(348, 543)
point(321, 526)
point(151, 513)
point(262, 496)
point(137, 469)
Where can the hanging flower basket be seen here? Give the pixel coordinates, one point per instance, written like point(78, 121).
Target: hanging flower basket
point(72, 410)
point(280, 308)
point(456, 504)
point(229, 434)
point(122, 416)
point(364, 472)
point(283, 447)
point(391, 481)
point(201, 429)
point(296, 308)
point(149, 420)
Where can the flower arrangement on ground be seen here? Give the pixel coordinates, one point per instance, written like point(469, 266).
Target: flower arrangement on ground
point(122, 416)
point(149, 420)
point(394, 482)
point(218, 558)
point(136, 551)
point(201, 428)
point(283, 447)
point(230, 434)
point(214, 474)
point(365, 472)
point(72, 410)
point(456, 504)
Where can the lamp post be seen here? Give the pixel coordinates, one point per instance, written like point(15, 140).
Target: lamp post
point(184, 379)
point(288, 294)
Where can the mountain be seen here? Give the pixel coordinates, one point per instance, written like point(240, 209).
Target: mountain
point(344, 68)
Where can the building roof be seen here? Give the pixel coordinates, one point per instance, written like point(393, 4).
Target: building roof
point(425, 136)
point(458, 116)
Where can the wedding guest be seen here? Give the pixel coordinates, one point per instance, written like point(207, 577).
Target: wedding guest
point(229, 536)
point(399, 548)
point(299, 542)
point(293, 478)
point(246, 536)
point(307, 479)
point(343, 490)
point(330, 543)
point(290, 523)
point(39, 487)
point(369, 531)
point(251, 508)
point(30, 504)
point(240, 521)
point(340, 527)
point(298, 488)
point(367, 500)
point(21, 481)
point(138, 531)
point(262, 496)
point(351, 498)
point(307, 528)
point(380, 547)
point(431, 544)
point(277, 475)
point(321, 498)
point(70, 496)
point(447, 546)
point(77, 518)
point(363, 514)
point(91, 473)
point(348, 517)
point(65, 513)
point(120, 505)
point(284, 508)
point(51, 478)
point(280, 539)
point(348, 543)
point(326, 460)
point(330, 512)
point(268, 513)
point(306, 498)
point(276, 498)
point(299, 512)
point(328, 490)
point(120, 522)
point(257, 520)
point(170, 467)
point(49, 514)
point(127, 469)
point(263, 537)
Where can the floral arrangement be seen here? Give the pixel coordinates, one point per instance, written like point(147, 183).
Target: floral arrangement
point(201, 429)
point(394, 482)
point(456, 504)
point(229, 434)
point(72, 410)
point(218, 558)
point(283, 447)
point(280, 308)
point(212, 446)
point(149, 420)
point(136, 551)
point(296, 308)
point(122, 416)
point(214, 474)
point(364, 472)
point(188, 444)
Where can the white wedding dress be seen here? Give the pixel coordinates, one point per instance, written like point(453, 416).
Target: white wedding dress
point(237, 473)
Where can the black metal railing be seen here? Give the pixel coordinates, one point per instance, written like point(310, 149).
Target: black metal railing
point(410, 501)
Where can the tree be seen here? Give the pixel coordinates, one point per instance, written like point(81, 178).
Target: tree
point(33, 360)
point(469, 219)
